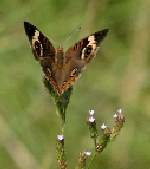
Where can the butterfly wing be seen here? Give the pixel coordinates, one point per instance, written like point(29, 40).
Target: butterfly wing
point(77, 57)
point(43, 51)
point(41, 47)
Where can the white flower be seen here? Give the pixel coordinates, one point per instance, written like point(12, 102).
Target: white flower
point(103, 126)
point(60, 137)
point(91, 112)
point(119, 111)
point(88, 153)
point(91, 119)
point(115, 115)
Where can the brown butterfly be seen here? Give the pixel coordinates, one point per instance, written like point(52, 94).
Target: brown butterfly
point(61, 68)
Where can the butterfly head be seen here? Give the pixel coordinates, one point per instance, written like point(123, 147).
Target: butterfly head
point(59, 51)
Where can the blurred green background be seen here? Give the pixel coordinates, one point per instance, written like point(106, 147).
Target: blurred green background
point(118, 77)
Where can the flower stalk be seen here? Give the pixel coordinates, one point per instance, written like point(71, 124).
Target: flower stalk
point(82, 162)
point(119, 120)
point(60, 152)
point(92, 125)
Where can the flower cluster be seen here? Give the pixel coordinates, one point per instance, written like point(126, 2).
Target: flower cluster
point(100, 137)
point(105, 133)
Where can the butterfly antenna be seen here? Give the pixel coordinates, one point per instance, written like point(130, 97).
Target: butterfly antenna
point(68, 36)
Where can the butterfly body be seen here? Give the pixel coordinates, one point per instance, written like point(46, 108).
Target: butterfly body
point(62, 68)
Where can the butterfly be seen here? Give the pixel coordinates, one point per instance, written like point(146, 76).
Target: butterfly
point(62, 68)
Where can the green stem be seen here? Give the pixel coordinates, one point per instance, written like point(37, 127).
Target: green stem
point(91, 160)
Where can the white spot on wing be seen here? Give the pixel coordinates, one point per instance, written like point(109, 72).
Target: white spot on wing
point(41, 50)
point(82, 56)
point(91, 39)
point(92, 42)
point(35, 38)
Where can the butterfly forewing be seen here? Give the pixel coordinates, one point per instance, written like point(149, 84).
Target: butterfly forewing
point(85, 49)
point(41, 46)
point(42, 49)
point(77, 57)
